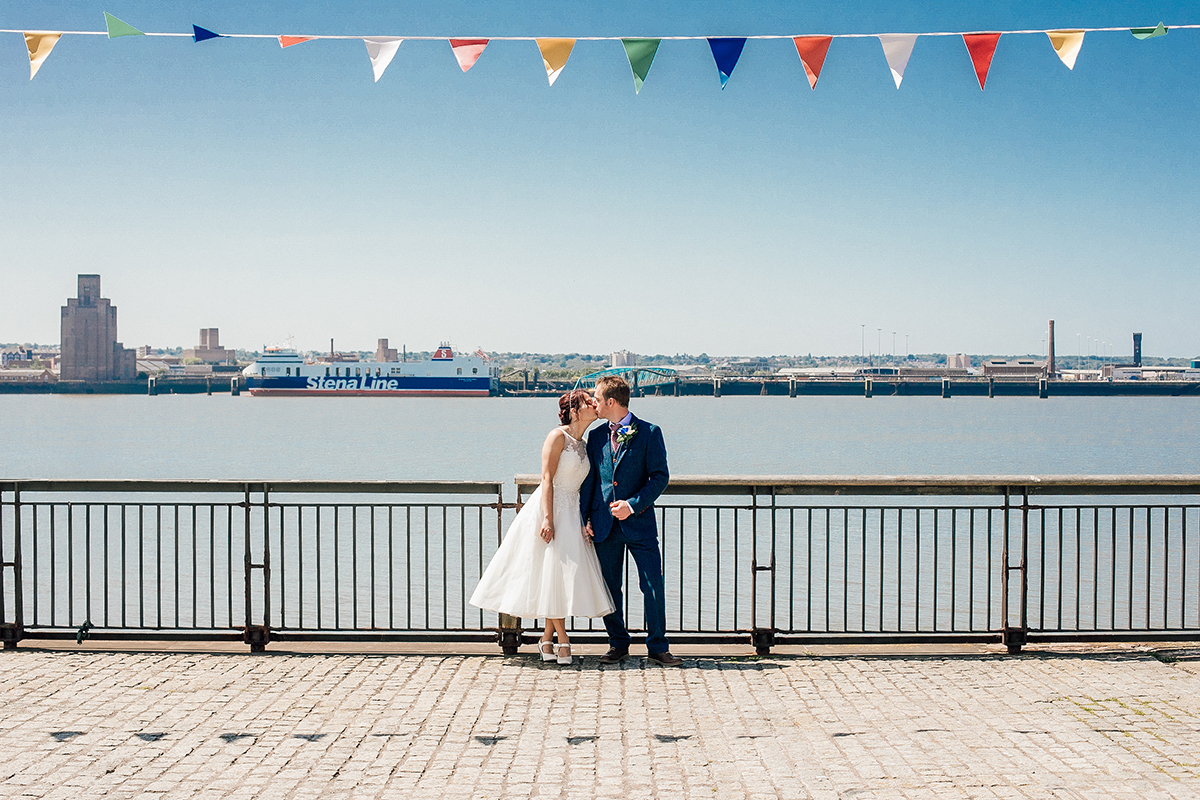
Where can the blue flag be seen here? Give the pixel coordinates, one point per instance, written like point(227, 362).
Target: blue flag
point(200, 34)
point(726, 53)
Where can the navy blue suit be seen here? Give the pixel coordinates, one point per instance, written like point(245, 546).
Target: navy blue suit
point(638, 473)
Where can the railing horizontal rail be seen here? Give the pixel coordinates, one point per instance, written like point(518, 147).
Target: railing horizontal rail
point(766, 559)
point(884, 485)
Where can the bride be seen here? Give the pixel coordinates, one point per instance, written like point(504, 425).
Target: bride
point(545, 568)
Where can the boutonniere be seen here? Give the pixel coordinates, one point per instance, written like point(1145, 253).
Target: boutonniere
point(625, 433)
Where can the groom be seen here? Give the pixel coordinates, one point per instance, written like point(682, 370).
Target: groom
point(629, 472)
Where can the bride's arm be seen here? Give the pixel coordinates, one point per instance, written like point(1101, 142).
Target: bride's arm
point(551, 451)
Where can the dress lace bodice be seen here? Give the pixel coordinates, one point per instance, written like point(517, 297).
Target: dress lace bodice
point(573, 467)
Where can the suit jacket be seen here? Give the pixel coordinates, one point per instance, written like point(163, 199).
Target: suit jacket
point(637, 474)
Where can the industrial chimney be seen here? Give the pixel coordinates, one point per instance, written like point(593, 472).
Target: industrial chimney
point(1137, 349)
point(1050, 371)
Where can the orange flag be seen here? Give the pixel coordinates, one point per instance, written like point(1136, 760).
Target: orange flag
point(812, 50)
point(288, 41)
point(981, 47)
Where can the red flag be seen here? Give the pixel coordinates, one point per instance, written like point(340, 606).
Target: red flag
point(288, 41)
point(812, 50)
point(467, 51)
point(981, 47)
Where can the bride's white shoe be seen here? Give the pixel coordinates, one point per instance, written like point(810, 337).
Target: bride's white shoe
point(547, 655)
point(565, 660)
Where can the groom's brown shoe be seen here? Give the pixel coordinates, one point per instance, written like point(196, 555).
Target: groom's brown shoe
point(615, 655)
point(665, 659)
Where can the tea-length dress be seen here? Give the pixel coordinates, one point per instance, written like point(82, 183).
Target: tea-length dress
point(534, 579)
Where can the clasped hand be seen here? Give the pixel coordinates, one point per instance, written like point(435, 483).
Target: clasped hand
point(547, 531)
point(620, 509)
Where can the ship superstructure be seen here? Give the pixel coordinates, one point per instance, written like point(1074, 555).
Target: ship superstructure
point(284, 372)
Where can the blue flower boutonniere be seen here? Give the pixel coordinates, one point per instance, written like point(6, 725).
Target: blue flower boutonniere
point(625, 433)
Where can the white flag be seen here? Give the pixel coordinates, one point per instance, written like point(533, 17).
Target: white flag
point(897, 47)
point(381, 50)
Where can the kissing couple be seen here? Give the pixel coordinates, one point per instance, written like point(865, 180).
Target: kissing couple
point(564, 554)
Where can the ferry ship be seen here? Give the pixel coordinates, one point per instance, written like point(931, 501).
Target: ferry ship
point(283, 372)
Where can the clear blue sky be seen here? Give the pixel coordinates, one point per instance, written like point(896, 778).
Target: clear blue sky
point(271, 192)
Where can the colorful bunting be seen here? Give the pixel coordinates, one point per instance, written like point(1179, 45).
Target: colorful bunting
point(555, 53)
point(640, 53)
point(1066, 44)
point(897, 47)
point(288, 41)
point(118, 28)
point(1148, 33)
point(812, 51)
point(726, 53)
point(381, 50)
point(39, 45)
point(203, 34)
point(981, 47)
point(467, 51)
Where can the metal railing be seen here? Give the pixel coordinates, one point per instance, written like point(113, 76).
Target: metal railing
point(765, 560)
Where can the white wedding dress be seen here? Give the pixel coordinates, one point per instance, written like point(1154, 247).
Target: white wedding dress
point(532, 579)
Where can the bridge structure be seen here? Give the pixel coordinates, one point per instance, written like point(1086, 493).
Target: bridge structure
point(638, 378)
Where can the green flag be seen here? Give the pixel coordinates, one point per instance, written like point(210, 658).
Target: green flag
point(1148, 33)
point(118, 28)
point(641, 55)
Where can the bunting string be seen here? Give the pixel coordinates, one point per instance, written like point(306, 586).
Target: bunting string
point(640, 51)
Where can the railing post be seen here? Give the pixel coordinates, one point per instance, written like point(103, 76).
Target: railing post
point(257, 636)
point(1014, 637)
point(12, 632)
point(762, 638)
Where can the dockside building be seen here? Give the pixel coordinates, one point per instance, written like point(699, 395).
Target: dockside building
point(90, 350)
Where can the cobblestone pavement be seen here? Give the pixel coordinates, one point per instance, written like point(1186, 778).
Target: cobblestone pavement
point(120, 724)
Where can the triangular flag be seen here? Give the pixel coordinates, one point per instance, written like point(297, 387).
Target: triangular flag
point(118, 28)
point(726, 53)
point(203, 34)
point(812, 50)
point(555, 53)
point(1148, 33)
point(381, 50)
point(640, 53)
point(1066, 44)
point(288, 41)
point(40, 45)
point(467, 51)
point(981, 47)
point(897, 47)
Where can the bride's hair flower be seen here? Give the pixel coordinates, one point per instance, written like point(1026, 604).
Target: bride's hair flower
point(625, 433)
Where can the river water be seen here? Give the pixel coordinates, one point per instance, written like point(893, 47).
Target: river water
point(225, 437)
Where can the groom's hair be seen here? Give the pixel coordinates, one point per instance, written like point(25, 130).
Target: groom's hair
point(613, 387)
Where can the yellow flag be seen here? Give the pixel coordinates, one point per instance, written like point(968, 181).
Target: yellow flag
point(39, 44)
point(555, 53)
point(1066, 44)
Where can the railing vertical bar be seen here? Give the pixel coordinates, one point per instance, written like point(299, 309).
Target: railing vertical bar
point(1132, 571)
point(283, 583)
point(354, 566)
point(1060, 569)
point(105, 573)
point(1041, 569)
point(971, 569)
point(319, 588)
point(846, 573)
point(374, 620)
point(809, 569)
point(1149, 563)
point(408, 604)
point(124, 565)
point(175, 557)
point(87, 562)
point(426, 565)
point(917, 568)
point(445, 573)
point(991, 561)
point(337, 567)
point(462, 566)
point(54, 563)
point(1167, 565)
point(862, 594)
point(1079, 569)
point(937, 551)
point(699, 562)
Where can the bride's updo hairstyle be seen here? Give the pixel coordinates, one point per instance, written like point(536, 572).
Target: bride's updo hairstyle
point(571, 401)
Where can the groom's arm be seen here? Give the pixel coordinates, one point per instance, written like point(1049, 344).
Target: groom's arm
point(657, 473)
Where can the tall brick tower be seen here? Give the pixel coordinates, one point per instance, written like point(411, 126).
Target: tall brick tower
point(90, 350)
